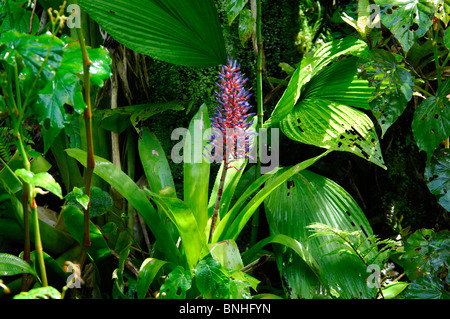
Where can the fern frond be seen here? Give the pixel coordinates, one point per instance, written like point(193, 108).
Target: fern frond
point(5, 152)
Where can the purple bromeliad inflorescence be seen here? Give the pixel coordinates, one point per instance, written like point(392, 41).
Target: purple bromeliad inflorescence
point(230, 123)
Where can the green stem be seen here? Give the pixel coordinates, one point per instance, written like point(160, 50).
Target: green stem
point(89, 143)
point(38, 242)
point(131, 157)
point(260, 111)
point(218, 200)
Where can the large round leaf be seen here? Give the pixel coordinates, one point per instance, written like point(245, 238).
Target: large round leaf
point(308, 198)
point(185, 32)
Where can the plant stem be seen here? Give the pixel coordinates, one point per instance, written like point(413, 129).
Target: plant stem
point(38, 242)
point(260, 111)
point(89, 143)
point(131, 157)
point(218, 199)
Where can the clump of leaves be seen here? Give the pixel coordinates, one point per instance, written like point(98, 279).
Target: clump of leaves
point(426, 260)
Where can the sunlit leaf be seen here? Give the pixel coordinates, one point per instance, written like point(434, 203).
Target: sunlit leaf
point(234, 7)
point(44, 180)
point(407, 20)
point(176, 31)
point(246, 25)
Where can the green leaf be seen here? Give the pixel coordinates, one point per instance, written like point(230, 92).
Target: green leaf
point(176, 31)
point(234, 7)
point(154, 162)
point(309, 67)
point(147, 272)
point(11, 265)
point(246, 25)
point(177, 283)
point(394, 85)
point(437, 176)
point(183, 218)
point(128, 189)
point(30, 52)
point(308, 198)
point(431, 123)
point(196, 167)
point(44, 180)
point(227, 254)
point(427, 287)
point(209, 274)
point(40, 293)
point(333, 126)
point(426, 252)
point(407, 20)
point(393, 289)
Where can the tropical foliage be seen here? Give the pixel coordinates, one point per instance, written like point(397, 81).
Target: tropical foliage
point(95, 204)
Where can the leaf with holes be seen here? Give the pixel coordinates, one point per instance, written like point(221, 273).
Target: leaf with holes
point(177, 283)
point(437, 176)
point(407, 20)
point(431, 123)
point(393, 86)
point(427, 287)
point(308, 198)
point(334, 126)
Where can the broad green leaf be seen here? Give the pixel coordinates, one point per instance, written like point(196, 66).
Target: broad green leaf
point(30, 52)
point(147, 272)
point(234, 8)
point(11, 265)
point(21, 18)
point(246, 25)
point(154, 162)
point(437, 176)
point(407, 20)
point(393, 84)
point(339, 83)
point(40, 293)
point(431, 122)
point(427, 252)
point(427, 287)
point(176, 31)
point(99, 250)
point(308, 198)
point(128, 189)
point(197, 167)
point(177, 283)
point(309, 67)
point(183, 218)
point(44, 180)
point(227, 253)
point(66, 88)
point(333, 126)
